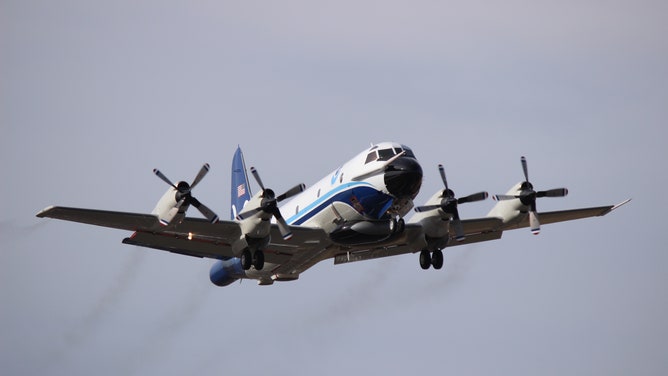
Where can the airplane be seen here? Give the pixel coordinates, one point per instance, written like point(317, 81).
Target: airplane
point(354, 213)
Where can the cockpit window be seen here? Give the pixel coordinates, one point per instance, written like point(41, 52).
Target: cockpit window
point(409, 152)
point(371, 157)
point(385, 154)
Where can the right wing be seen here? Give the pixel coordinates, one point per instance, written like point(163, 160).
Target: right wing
point(149, 223)
point(105, 218)
point(197, 237)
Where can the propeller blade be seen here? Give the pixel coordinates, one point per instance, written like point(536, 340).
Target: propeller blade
point(442, 171)
point(504, 197)
point(425, 208)
point(459, 229)
point(163, 177)
point(202, 172)
point(206, 212)
point(525, 168)
point(291, 192)
point(557, 192)
point(282, 225)
point(534, 222)
point(249, 213)
point(474, 197)
point(256, 175)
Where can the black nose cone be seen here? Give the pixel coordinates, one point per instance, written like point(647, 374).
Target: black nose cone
point(403, 177)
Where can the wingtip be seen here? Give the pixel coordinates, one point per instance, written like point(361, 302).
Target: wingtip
point(621, 203)
point(615, 207)
point(43, 213)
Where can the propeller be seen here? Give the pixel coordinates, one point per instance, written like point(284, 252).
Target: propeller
point(269, 204)
point(528, 197)
point(184, 195)
point(449, 204)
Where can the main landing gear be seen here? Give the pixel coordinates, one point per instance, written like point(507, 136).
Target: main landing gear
point(434, 259)
point(255, 259)
point(397, 225)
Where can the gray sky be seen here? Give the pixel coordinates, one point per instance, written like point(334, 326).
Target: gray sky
point(93, 95)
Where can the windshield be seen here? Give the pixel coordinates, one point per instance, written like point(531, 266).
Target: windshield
point(385, 154)
point(388, 153)
point(371, 157)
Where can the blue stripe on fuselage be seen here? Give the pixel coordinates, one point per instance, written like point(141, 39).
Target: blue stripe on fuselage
point(373, 202)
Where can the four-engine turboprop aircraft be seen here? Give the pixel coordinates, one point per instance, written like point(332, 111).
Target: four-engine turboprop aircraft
point(354, 213)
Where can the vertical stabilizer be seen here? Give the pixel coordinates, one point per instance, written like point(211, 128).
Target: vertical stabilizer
point(240, 192)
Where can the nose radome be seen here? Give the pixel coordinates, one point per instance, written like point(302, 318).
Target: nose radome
point(403, 177)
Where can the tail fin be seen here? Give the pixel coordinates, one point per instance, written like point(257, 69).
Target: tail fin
point(240, 192)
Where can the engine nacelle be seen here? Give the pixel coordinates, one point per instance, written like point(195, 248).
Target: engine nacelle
point(225, 272)
point(167, 208)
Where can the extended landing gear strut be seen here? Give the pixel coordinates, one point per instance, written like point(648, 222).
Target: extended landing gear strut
point(255, 259)
point(434, 259)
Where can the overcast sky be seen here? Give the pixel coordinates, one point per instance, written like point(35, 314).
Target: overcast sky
point(94, 95)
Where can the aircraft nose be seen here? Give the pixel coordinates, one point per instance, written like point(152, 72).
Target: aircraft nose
point(403, 177)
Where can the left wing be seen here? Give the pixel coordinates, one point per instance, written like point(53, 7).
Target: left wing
point(475, 230)
point(563, 215)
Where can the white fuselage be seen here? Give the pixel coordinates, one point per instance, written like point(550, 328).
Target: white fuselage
point(358, 184)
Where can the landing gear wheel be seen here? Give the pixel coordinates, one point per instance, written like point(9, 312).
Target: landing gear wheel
point(397, 226)
point(246, 260)
point(401, 225)
point(437, 259)
point(425, 260)
point(258, 261)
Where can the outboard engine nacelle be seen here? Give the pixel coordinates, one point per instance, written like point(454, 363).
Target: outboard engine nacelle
point(224, 272)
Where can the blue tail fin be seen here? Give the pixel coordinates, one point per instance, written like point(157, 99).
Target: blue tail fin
point(240, 189)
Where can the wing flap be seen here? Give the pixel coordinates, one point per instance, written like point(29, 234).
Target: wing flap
point(180, 245)
point(193, 246)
